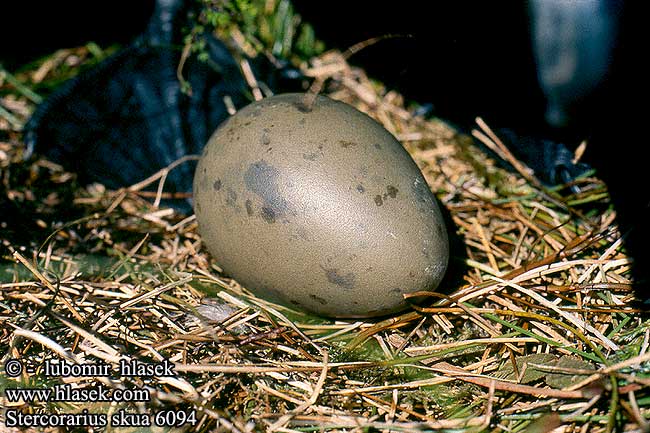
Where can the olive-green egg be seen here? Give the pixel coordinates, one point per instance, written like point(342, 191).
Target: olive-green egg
point(319, 208)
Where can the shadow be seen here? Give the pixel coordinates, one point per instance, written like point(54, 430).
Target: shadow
point(457, 267)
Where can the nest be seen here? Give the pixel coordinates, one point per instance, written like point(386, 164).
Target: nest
point(534, 329)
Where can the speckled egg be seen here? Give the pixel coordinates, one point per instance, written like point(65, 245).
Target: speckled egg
point(319, 207)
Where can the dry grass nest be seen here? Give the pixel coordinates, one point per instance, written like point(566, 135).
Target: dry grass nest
point(538, 334)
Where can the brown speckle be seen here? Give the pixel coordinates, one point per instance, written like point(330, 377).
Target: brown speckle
point(346, 281)
point(345, 144)
point(312, 156)
point(216, 185)
point(377, 146)
point(318, 299)
point(302, 121)
point(378, 200)
point(391, 192)
point(267, 214)
point(301, 106)
point(249, 208)
point(360, 188)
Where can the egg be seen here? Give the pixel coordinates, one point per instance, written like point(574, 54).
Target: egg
point(317, 206)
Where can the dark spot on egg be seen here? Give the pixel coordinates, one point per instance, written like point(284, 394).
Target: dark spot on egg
point(302, 121)
point(249, 208)
point(267, 214)
point(301, 106)
point(345, 144)
point(378, 200)
point(342, 280)
point(263, 179)
point(360, 188)
point(318, 299)
point(391, 192)
point(320, 147)
point(216, 185)
point(313, 156)
point(377, 146)
point(294, 302)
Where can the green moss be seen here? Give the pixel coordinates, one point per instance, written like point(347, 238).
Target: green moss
point(267, 26)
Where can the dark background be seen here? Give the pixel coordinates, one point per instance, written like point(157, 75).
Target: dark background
point(31, 29)
point(466, 58)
